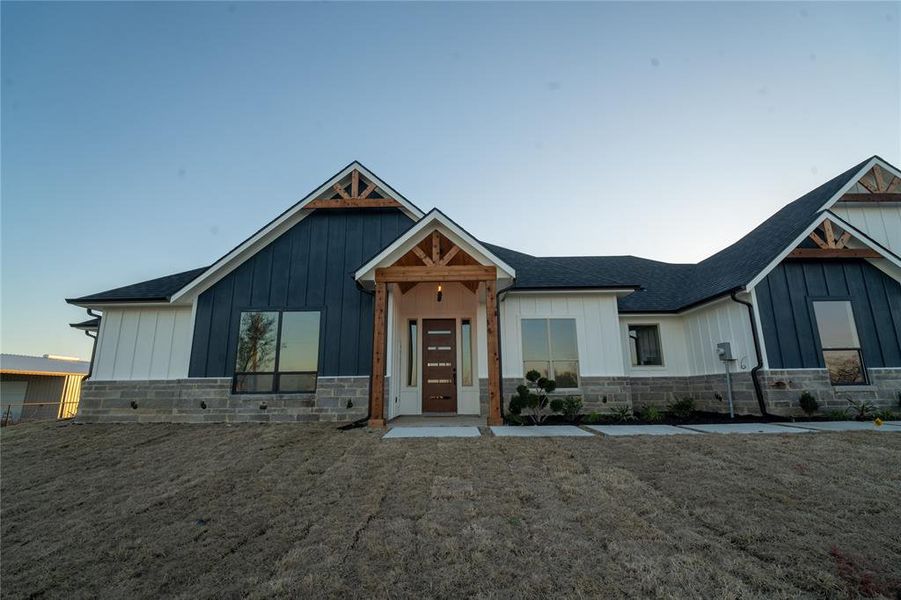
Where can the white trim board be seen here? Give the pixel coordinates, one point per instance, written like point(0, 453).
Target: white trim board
point(280, 225)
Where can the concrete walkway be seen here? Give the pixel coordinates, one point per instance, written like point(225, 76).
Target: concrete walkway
point(539, 431)
point(431, 432)
point(844, 426)
point(618, 430)
point(745, 428)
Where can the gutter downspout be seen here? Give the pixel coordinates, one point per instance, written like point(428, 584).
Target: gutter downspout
point(361, 422)
point(758, 391)
point(94, 337)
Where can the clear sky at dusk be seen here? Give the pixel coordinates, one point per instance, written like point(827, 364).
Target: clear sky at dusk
point(142, 139)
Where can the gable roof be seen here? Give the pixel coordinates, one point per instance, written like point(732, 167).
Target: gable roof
point(283, 223)
point(434, 219)
point(662, 287)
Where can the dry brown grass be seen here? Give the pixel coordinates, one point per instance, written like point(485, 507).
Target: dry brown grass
point(126, 511)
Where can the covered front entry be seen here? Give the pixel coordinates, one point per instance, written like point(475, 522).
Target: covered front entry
point(435, 325)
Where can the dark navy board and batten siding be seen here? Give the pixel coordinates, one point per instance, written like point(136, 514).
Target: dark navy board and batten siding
point(310, 267)
point(789, 330)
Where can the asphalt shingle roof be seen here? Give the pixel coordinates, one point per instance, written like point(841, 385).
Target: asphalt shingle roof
point(665, 287)
point(153, 290)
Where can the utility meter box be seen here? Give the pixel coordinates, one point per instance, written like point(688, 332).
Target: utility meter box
point(724, 351)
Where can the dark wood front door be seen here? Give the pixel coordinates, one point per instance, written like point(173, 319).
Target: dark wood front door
point(439, 366)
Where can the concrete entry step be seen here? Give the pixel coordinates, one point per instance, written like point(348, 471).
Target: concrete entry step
point(745, 428)
point(431, 432)
point(620, 430)
point(844, 426)
point(539, 431)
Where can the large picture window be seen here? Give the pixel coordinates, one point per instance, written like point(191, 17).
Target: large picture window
point(278, 352)
point(549, 347)
point(644, 345)
point(839, 342)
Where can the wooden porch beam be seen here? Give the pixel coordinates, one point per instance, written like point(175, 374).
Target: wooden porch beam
point(494, 372)
point(349, 202)
point(377, 380)
point(435, 273)
point(833, 253)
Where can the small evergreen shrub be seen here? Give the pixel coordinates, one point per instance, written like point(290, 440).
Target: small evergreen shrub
point(681, 409)
point(837, 415)
point(557, 405)
point(572, 408)
point(533, 397)
point(808, 403)
point(651, 414)
point(593, 418)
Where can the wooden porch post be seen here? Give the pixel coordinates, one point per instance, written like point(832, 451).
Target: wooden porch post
point(377, 381)
point(494, 375)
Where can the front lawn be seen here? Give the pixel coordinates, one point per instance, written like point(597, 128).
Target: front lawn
point(204, 511)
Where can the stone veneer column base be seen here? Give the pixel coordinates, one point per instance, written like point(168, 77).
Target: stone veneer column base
point(209, 400)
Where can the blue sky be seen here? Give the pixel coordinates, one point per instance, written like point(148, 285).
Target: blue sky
point(142, 139)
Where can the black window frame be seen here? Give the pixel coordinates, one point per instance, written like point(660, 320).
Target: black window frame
point(276, 374)
point(816, 333)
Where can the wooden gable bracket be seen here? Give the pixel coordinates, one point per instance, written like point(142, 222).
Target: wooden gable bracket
point(877, 185)
point(437, 261)
point(354, 199)
point(831, 245)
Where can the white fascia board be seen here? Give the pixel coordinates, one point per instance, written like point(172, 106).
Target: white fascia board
point(101, 306)
point(280, 225)
point(569, 292)
point(863, 171)
point(412, 237)
point(858, 235)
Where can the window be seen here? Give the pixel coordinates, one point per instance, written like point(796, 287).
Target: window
point(644, 345)
point(277, 352)
point(549, 347)
point(412, 354)
point(839, 342)
point(466, 351)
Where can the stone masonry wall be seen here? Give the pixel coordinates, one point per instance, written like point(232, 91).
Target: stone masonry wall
point(209, 400)
point(783, 388)
point(708, 391)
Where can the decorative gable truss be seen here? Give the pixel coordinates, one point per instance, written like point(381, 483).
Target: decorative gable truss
point(830, 240)
point(354, 191)
point(438, 257)
point(876, 185)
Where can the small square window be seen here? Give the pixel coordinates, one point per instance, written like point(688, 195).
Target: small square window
point(644, 345)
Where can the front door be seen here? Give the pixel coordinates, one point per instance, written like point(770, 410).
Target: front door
point(439, 366)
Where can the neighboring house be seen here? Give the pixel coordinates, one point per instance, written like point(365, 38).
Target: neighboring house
point(35, 388)
point(355, 303)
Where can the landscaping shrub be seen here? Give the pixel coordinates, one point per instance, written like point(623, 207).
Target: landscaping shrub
point(557, 405)
point(886, 415)
point(623, 413)
point(592, 418)
point(682, 409)
point(808, 403)
point(651, 414)
point(861, 410)
point(572, 408)
point(533, 397)
point(837, 415)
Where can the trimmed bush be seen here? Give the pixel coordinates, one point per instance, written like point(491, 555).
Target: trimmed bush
point(808, 403)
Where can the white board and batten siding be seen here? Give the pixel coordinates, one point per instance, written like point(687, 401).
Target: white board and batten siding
point(720, 321)
point(597, 329)
point(143, 343)
point(880, 222)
